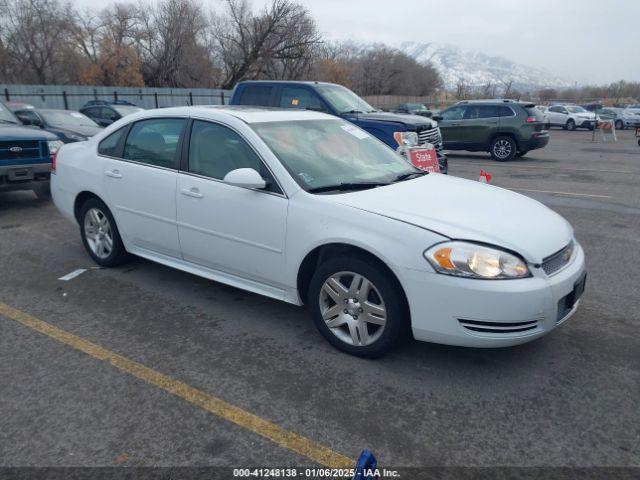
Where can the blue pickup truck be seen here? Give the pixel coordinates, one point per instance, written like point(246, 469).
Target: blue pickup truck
point(391, 128)
point(25, 155)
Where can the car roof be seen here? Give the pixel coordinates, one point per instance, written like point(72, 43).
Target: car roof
point(248, 114)
point(297, 82)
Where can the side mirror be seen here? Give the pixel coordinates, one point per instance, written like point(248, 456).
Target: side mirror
point(437, 118)
point(245, 177)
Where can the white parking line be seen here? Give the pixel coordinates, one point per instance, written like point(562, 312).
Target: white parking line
point(72, 275)
point(560, 193)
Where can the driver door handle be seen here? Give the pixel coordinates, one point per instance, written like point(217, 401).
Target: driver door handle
point(192, 192)
point(113, 173)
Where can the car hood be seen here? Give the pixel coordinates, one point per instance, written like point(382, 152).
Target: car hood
point(17, 132)
point(468, 210)
point(87, 131)
point(412, 121)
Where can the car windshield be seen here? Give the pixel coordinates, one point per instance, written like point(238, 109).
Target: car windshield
point(320, 154)
point(416, 106)
point(576, 109)
point(125, 110)
point(344, 100)
point(66, 118)
point(6, 116)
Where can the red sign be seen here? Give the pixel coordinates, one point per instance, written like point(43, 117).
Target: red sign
point(425, 159)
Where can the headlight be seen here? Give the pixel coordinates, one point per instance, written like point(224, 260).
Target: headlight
point(407, 139)
point(76, 137)
point(470, 260)
point(54, 145)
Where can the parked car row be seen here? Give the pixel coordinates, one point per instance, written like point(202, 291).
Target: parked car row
point(30, 137)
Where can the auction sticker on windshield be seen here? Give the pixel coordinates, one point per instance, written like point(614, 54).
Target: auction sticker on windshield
point(355, 131)
point(424, 158)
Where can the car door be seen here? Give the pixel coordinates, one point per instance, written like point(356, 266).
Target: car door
point(479, 124)
point(558, 115)
point(451, 126)
point(236, 230)
point(141, 185)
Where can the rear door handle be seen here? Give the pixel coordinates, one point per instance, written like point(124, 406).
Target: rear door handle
point(192, 192)
point(113, 173)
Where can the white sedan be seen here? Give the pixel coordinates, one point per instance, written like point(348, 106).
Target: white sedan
point(307, 208)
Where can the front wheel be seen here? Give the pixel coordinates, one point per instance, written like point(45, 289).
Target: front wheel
point(100, 234)
point(357, 307)
point(503, 149)
point(619, 125)
point(571, 125)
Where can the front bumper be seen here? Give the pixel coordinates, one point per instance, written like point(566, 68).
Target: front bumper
point(490, 313)
point(586, 123)
point(24, 177)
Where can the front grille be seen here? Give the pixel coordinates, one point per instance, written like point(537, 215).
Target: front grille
point(498, 327)
point(430, 135)
point(21, 149)
point(556, 262)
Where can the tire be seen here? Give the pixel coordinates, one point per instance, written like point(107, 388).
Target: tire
point(522, 153)
point(503, 148)
point(43, 191)
point(571, 125)
point(619, 124)
point(98, 230)
point(340, 310)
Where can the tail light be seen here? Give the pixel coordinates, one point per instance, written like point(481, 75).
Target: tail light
point(54, 156)
point(531, 120)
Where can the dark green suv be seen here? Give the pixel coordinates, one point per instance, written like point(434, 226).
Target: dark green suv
point(505, 128)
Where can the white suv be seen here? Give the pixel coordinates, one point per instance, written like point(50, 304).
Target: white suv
point(571, 117)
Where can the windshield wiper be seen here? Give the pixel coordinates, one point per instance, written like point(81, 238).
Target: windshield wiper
point(407, 176)
point(9, 121)
point(347, 186)
point(351, 111)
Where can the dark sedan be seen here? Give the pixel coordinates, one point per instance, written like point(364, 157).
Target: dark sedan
point(68, 125)
point(413, 109)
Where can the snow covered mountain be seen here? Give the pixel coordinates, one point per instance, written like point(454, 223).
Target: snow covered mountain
point(477, 69)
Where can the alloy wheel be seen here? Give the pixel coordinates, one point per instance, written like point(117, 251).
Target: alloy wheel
point(502, 149)
point(352, 308)
point(98, 233)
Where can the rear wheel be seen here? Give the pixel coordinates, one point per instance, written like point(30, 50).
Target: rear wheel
point(503, 149)
point(571, 125)
point(100, 234)
point(357, 307)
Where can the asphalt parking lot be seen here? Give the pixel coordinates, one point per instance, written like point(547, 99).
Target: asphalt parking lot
point(169, 347)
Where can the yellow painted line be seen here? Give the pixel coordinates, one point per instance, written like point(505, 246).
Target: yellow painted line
point(561, 193)
point(296, 443)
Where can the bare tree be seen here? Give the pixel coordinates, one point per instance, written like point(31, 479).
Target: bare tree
point(171, 42)
point(35, 38)
point(276, 43)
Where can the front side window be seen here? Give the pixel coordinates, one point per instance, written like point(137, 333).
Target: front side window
point(454, 113)
point(325, 153)
point(154, 141)
point(215, 150)
point(302, 98)
point(344, 100)
point(110, 145)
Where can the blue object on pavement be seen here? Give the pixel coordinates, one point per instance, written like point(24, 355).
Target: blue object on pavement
point(365, 464)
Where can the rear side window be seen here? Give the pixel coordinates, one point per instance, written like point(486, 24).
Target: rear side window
point(504, 111)
point(110, 145)
point(302, 98)
point(154, 142)
point(259, 95)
